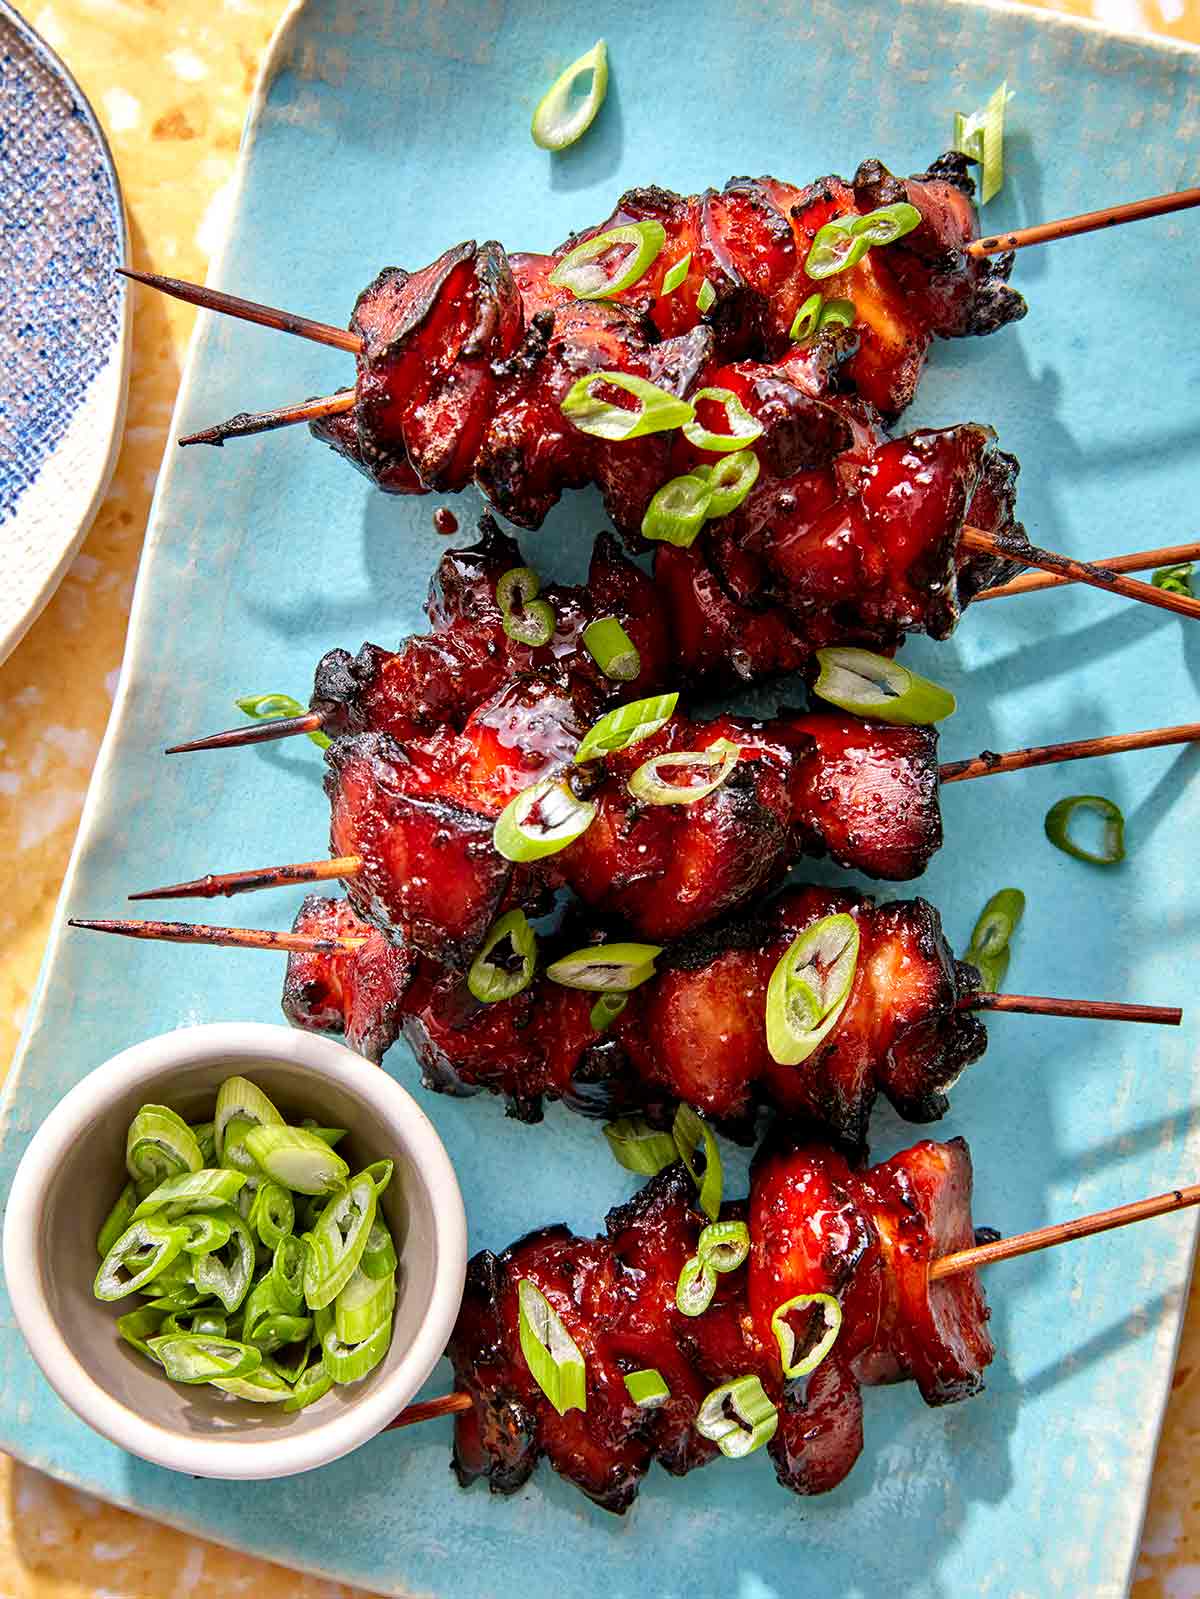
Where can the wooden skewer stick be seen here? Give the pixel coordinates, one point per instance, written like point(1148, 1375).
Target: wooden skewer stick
point(266, 316)
point(1139, 561)
point(213, 884)
point(961, 1260)
point(255, 733)
point(1130, 588)
point(247, 422)
point(1088, 1009)
point(988, 763)
point(231, 937)
point(1062, 1232)
point(1111, 216)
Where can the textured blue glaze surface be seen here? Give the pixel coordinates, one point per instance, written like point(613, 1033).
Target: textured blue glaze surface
point(61, 236)
point(388, 133)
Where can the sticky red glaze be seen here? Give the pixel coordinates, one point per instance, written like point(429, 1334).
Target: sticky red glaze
point(816, 1225)
point(358, 995)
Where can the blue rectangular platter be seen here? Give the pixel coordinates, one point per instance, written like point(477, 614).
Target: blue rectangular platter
point(384, 133)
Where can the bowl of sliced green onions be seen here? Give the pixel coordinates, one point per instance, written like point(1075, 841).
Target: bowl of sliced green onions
point(236, 1250)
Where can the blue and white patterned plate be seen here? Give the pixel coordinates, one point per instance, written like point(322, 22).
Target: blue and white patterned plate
point(387, 132)
point(64, 321)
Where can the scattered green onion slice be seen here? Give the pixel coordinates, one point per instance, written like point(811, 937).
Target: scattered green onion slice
point(552, 1355)
point(656, 411)
point(555, 125)
point(724, 1245)
point(338, 1242)
point(191, 1192)
point(189, 1359)
point(507, 961)
point(871, 685)
point(823, 1325)
point(689, 1132)
point(1174, 579)
point(533, 624)
point(696, 1286)
point(649, 784)
point(678, 510)
point(730, 480)
point(261, 1387)
point(705, 298)
point(298, 1159)
point(626, 725)
point(541, 820)
point(837, 314)
point(606, 1010)
point(612, 649)
point(236, 1157)
point(363, 1306)
point(751, 1424)
point(517, 587)
point(143, 1251)
point(118, 1218)
point(228, 1278)
point(647, 1388)
point(379, 1255)
point(809, 988)
point(243, 1099)
point(606, 968)
point(580, 271)
point(743, 428)
point(808, 318)
point(981, 135)
point(842, 243)
point(272, 706)
point(348, 1363)
point(988, 950)
point(173, 1290)
point(159, 1145)
point(287, 1273)
point(1058, 828)
point(639, 1147)
point(676, 274)
point(273, 1214)
point(313, 1383)
point(136, 1326)
point(205, 1232)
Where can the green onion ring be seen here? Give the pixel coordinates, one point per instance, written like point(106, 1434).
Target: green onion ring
point(647, 1388)
point(648, 785)
point(808, 318)
point(297, 1159)
point(313, 1383)
point(755, 1423)
point(810, 987)
point(579, 272)
point(159, 1145)
point(606, 968)
point(555, 125)
point(988, 950)
point(205, 1231)
point(842, 243)
point(552, 1355)
point(240, 1098)
point(814, 1352)
point(676, 274)
point(612, 649)
point(730, 480)
point(506, 961)
point(228, 1280)
point(381, 1173)
point(190, 1192)
point(706, 297)
point(724, 1245)
point(337, 1243)
point(363, 1305)
point(743, 428)
point(189, 1359)
point(273, 1214)
point(639, 1147)
point(657, 410)
point(696, 1286)
point(379, 1256)
point(517, 587)
point(981, 136)
point(606, 1010)
point(1175, 579)
point(689, 1131)
point(144, 1250)
point(261, 1386)
point(136, 1326)
point(287, 1273)
point(541, 820)
point(1058, 828)
point(626, 725)
point(272, 706)
point(678, 510)
point(870, 685)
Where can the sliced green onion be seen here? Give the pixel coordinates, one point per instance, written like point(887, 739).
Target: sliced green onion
point(678, 510)
point(347, 1363)
point(190, 1192)
point(173, 1290)
point(656, 411)
point(824, 1322)
point(381, 1173)
point(279, 1330)
point(199, 1323)
point(236, 1157)
point(626, 725)
point(808, 318)
point(705, 298)
point(313, 1383)
point(379, 1256)
point(527, 619)
point(206, 1137)
point(809, 988)
point(555, 125)
point(981, 136)
point(338, 1241)
point(1175, 579)
point(724, 1245)
point(612, 649)
point(287, 1273)
point(730, 480)
point(541, 820)
point(871, 685)
point(291, 1366)
point(273, 1214)
point(647, 1388)
point(189, 1359)
point(363, 1305)
point(142, 1252)
point(838, 314)
point(297, 1159)
point(606, 968)
point(649, 784)
point(241, 1098)
point(842, 243)
point(261, 1387)
point(118, 1218)
point(639, 1147)
point(517, 587)
point(551, 1354)
point(159, 1145)
point(676, 274)
point(738, 1417)
point(743, 428)
point(606, 1010)
point(689, 1132)
point(1058, 828)
point(271, 706)
point(578, 270)
point(331, 1135)
point(205, 1232)
point(507, 961)
point(228, 1278)
point(696, 1286)
point(137, 1326)
point(988, 950)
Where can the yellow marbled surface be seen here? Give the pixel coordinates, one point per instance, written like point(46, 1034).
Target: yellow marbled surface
point(170, 81)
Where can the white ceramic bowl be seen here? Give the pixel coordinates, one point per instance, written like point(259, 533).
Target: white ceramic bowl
point(70, 1177)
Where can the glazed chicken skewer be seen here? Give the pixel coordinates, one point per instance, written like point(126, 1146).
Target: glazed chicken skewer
point(610, 1029)
point(829, 1278)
